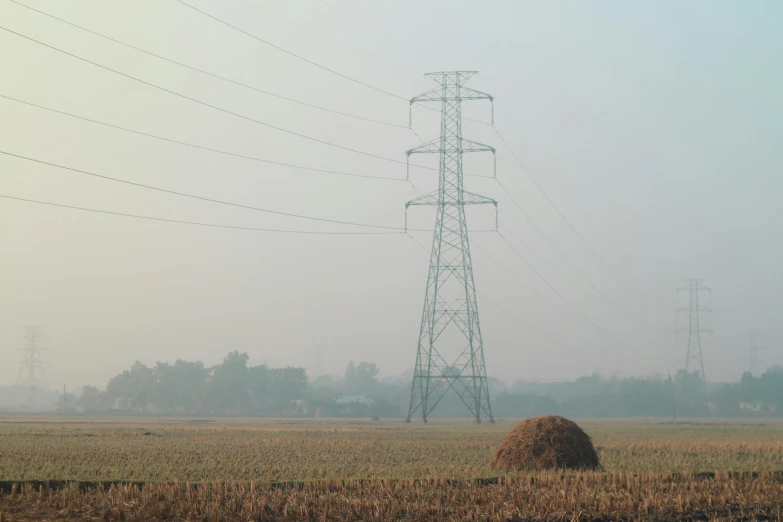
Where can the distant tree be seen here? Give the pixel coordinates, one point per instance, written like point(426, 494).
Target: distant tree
point(227, 388)
point(749, 388)
point(350, 376)
point(180, 386)
point(287, 384)
point(366, 378)
point(259, 383)
point(495, 386)
point(89, 399)
point(137, 385)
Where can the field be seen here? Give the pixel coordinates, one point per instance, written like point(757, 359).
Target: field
point(386, 470)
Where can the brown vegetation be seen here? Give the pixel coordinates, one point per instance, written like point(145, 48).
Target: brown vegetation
point(548, 442)
point(381, 470)
point(552, 496)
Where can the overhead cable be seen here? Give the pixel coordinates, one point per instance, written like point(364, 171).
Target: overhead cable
point(597, 291)
point(300, 57)
point(207, 73)
point(215, 107)
point(202, 198)
point(311, 62)
point(186, 144)
point(213, 225)
point(332, 40)
point(557, 209)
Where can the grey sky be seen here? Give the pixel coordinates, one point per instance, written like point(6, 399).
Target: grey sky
point(655, 127)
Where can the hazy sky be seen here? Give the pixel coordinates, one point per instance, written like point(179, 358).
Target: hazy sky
point(656, 127)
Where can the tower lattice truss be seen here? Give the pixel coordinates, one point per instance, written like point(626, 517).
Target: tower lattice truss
point(450, 353)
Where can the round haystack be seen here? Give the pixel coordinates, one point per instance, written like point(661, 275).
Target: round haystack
point(549, 442)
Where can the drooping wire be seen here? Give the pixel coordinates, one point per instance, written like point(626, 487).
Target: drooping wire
point(596, 326)
point(527, 324)
point(300, 57)
point(311, 62)
point(202, 198)
point(371, 26)
point(186, 144)
point(578, 312)
point(568, 303)
point(207, 73)
point(332, 40)
point(196, 223)
point(507, 231)
point(546, 238)
point(596, 290)
point(558, 211)
point(215, 107)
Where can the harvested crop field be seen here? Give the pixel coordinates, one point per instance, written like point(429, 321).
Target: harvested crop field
point(387, 470)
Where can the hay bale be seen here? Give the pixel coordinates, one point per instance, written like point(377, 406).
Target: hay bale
point(548, 442)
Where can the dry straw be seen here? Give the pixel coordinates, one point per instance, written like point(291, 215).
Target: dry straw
point(549, 442)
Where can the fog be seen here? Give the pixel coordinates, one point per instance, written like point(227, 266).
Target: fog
point(655, 128)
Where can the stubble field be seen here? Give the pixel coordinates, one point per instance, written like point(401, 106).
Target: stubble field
point(343, 470)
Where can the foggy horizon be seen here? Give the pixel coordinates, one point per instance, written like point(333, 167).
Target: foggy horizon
point(662, 152)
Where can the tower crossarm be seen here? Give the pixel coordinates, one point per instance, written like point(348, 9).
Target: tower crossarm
point(437, 94)
point(437, 146)
point(451, 90)
point(468, 198)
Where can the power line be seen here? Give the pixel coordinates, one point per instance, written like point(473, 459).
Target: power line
point(215, 107)
point(578, 312)
point(589, 321)
point(371, 26)
point(332, 40)
point(183, 194)
point(546, 238)
point(213, 225)
point(311, 62)
point(538, 256)
point(504, 310)
point(300, 57)
point(549, 285)
point(186, 144)
point(597, 291)
point(555, 207)
point(207, 73)
point(512, 274)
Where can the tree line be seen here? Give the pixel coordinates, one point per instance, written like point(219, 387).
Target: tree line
point(234, 387)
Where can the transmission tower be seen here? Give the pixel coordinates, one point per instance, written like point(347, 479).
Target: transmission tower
point(694, 355)
point(31, 372)
point(450, 351)
point(753, 336)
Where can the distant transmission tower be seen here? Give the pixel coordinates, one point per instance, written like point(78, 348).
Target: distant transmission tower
point(694, 355)
point(450, 350)
point(753, 337)
point(31, 372)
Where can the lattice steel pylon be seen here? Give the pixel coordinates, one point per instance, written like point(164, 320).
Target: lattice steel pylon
point(694, 329)
point(753, 336)
point(31, 371)
point(450, 351)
